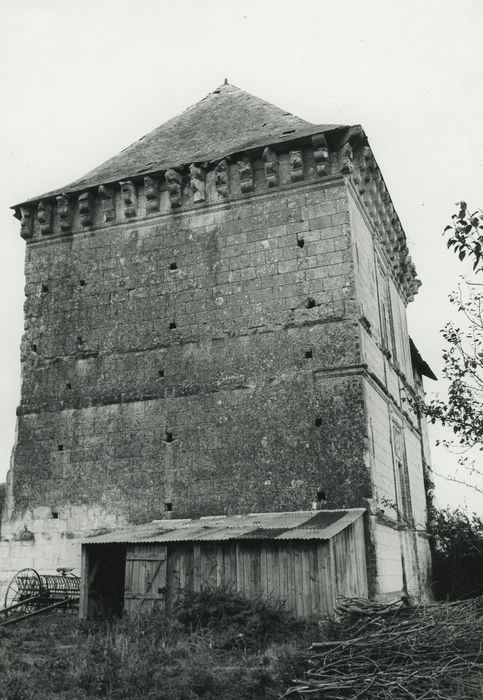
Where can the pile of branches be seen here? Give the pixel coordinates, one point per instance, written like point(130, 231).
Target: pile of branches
point(396, 652)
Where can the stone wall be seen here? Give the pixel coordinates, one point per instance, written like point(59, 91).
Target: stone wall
point(398, 529)
point(200, 354)
point(197, 361)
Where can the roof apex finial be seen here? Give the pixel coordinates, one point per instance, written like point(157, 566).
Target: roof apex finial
point(226, 81)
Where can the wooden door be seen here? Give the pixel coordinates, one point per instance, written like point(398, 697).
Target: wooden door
point(145, 583)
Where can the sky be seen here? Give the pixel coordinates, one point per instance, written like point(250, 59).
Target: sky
point(80, 81)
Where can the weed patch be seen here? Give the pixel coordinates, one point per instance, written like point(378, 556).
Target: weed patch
point(212, 645)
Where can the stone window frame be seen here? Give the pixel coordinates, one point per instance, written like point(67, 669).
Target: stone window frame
point(402, 483)
point(386, 315)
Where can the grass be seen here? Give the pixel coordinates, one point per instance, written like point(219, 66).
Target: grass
point(220, 646)
point(213, 645)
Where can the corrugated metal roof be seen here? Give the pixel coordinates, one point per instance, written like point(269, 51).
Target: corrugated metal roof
point(297, 525)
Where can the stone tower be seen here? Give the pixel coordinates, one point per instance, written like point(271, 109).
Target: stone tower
point(215, 323)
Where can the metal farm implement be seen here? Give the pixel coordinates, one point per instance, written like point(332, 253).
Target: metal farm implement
point(30, 593)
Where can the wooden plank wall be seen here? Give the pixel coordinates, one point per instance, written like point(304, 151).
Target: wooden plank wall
point(307, 575)
point(349, 557)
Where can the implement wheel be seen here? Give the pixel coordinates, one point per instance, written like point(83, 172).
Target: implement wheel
point(24, 585)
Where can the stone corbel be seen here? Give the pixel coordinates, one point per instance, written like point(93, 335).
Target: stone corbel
point(361, 165)
point(245, 172)
point(86, 209)
point(151, 190)
point(365, 158)
point(197, 182)
point(222, 178)
point(26, 223)
point(129, 198)
point(270, 163)
point(45, 217)
point(387, 244)
point(392, 234)
point(173, 183)
point(296, 166)
point(398, 230)
point(368, 200)
point(404, 260)
point(106, 195)
point(345, 159)
point(391, 212)
point(379, 205)
point(64, 207)
point(321, 154)
point(386, 222)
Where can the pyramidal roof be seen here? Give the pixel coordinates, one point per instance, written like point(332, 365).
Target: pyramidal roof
point(228, 120)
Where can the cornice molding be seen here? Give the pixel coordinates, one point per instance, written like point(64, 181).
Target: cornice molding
point(312, 160)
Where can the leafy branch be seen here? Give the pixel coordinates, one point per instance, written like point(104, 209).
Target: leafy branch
point(466, 237)
point(462, 410)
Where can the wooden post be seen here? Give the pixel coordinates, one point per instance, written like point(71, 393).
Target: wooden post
point(84, 583)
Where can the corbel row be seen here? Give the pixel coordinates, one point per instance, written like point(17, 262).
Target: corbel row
point(353, 158)
point(105, 195)
point(360, 164)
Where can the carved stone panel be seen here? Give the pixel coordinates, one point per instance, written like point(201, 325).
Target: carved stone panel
point(151, 190)
point(27, 223)
point(296, 166)
point(86, 209)
point(106, 195)
point(64, 207)
point(270, 163)
point(321, 154)
point(45, 217)
point(245, 172)
point(129, 198)
point(222, 178)
point(173, 183)
point(197, 183)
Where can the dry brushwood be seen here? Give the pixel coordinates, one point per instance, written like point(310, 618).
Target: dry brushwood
point(398, 652)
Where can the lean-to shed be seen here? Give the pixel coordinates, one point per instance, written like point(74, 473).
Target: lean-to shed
point(304, 558)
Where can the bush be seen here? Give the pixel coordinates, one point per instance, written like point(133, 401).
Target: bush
point(457, 543)
point(240, 623)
